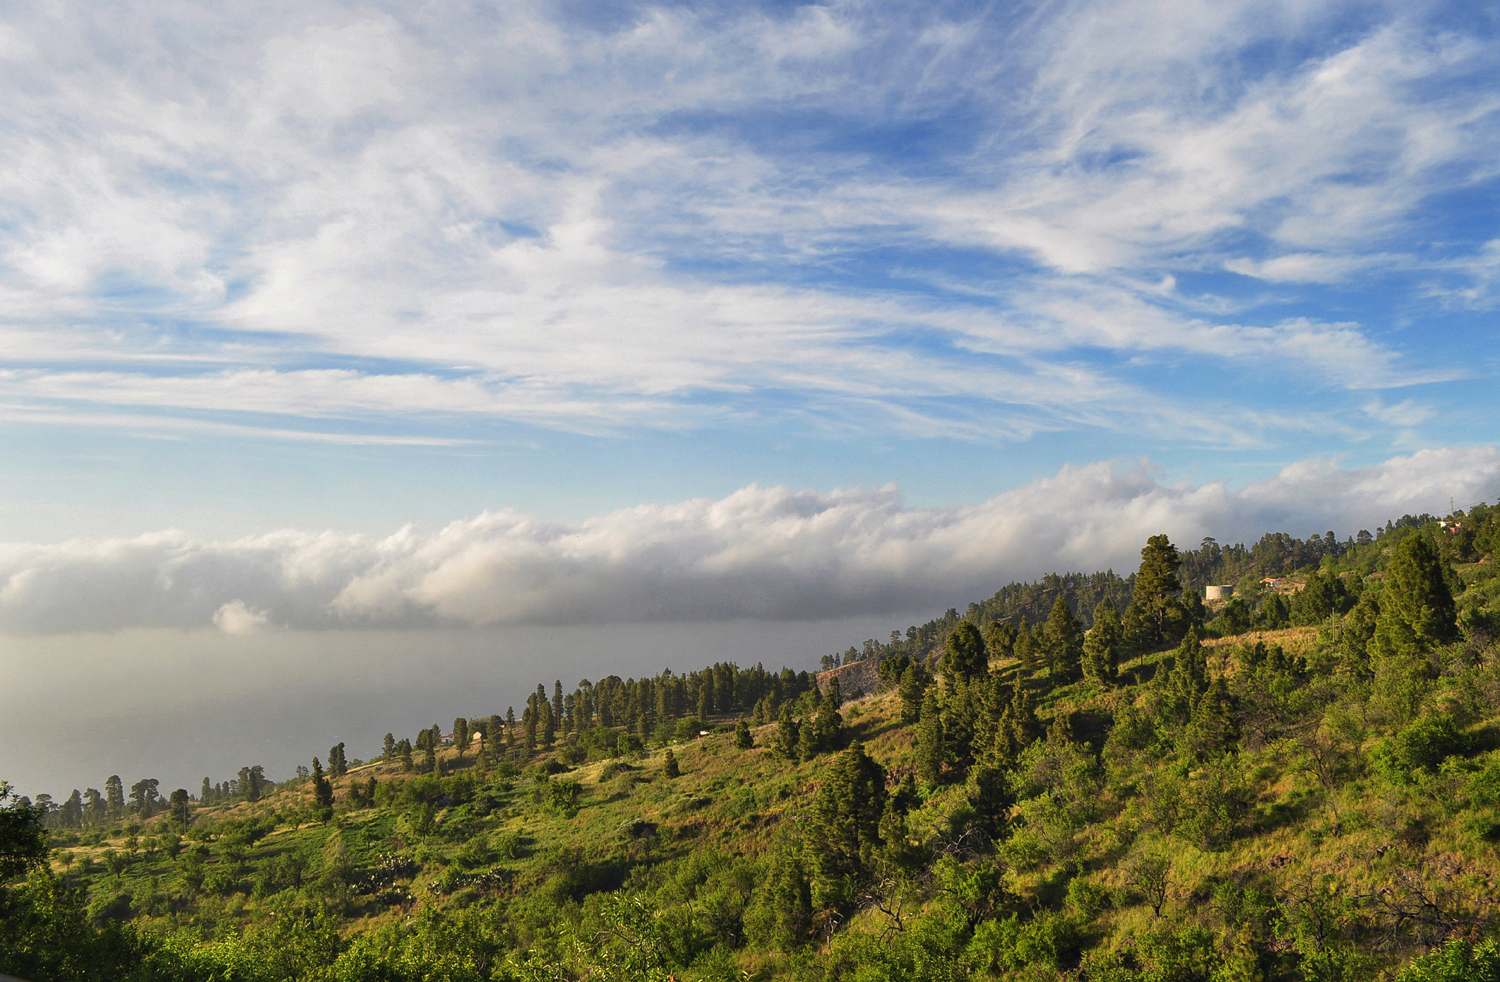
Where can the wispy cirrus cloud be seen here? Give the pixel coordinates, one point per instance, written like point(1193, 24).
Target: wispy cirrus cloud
point(555, 221)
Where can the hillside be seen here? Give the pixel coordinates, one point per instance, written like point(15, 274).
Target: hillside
point(1297, 784)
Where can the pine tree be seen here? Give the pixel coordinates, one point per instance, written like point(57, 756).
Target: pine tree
point(964, 656)
point(179, 802)
point(1025, 647)
point(1021, 721)
point(548, 723)
point(670, 768)
point(743, 738)
point(999, 640)
point(961, 723)
point(1156, 583)
point(846, 813)
point(787, 736)
point(461, 735)
point(786, 905)
point(913, 686)
point(1064, 640)
point(807, 740)
point(390, 747)
point(114, 795)
point(1212, 730)
point(1274, 613)
point(1355, 634)
point(1101, 648)
point(322, 793)
point(931, 748)
point(829, 733)
point(1416, 603)
point(337, 765)
point(1176, 693)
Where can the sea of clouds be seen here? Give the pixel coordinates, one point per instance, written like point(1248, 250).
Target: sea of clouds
point(765, 553)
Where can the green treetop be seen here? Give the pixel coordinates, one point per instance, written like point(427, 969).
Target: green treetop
point(1064, 641)
point(1156, 582)
point(1101, 649)
point(964, 656)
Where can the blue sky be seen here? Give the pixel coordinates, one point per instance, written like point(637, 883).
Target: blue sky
point(270, 267)
point(357, 267)
point(470, 317)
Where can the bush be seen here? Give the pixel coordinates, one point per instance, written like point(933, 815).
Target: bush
point(509, 845)
point(1456, 961)
point(562, 796)
point(1422, 746)
point(612, 769)
point(1188, 955)
point(476, 852)
point(1051, 938)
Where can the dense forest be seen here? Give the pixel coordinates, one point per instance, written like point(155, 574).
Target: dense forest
point(1091, 776)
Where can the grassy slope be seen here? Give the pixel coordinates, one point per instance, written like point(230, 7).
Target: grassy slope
point(1363, 836)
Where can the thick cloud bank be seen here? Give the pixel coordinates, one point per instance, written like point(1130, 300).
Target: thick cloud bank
point(766, 553)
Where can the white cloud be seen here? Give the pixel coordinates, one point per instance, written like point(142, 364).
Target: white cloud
point(1306, 267)
point(1406, 413)
point(524, 200)
point(237, 619)
point(765, 553)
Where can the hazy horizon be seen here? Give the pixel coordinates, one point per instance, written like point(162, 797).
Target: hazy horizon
point(180, 705)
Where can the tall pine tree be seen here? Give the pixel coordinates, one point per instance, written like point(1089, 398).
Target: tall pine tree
point(1064, 640)
point(1101, 648)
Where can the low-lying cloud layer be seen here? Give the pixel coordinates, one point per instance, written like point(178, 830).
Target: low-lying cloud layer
point(765, 553)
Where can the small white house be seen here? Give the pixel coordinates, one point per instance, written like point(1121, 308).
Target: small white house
point(1218, 592)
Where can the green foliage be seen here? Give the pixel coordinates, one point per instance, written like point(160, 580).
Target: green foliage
point(932, 750)
point(1063, 636)
point(1321, 596)
point(788, 734)
point(1102, 647)
point(322, 788)
point(23, 840)
point(1050, 938)
point(845, 822)
point(1421, 746)
point(1157, 586)
point(743, 738)
point(563, 796)
point(1185, 955)
point(1416, 608)
point(1456, 961)
point(964, 655)
point(781, 915)
point(913, 689)
point(1275, 613)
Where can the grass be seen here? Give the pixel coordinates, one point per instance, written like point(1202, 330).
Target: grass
point(1361, 837)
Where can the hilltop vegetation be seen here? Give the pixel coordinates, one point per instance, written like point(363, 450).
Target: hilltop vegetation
point(1091, 776)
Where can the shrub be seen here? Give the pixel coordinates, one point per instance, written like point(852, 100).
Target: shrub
point(1456, 961)
point(612, 769)
point(1423, 745)
point(562, 796)
point(1051, 938)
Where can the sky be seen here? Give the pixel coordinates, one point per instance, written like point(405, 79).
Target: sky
point(363, 348)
